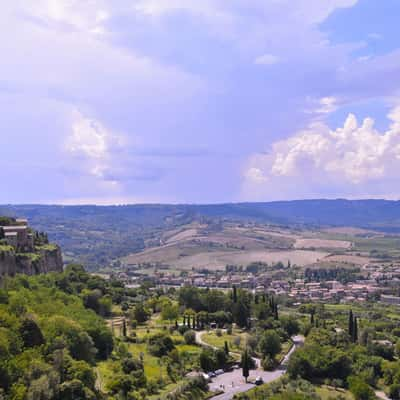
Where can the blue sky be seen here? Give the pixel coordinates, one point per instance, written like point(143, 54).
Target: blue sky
point(198, 101)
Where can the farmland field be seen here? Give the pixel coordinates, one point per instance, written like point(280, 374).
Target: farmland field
point(322, 243)
point(212, 246)
point(202, 247)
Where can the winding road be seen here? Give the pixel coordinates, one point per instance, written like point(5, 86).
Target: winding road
point(233, 382)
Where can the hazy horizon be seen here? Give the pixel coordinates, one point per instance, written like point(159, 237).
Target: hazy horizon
point(197, 203)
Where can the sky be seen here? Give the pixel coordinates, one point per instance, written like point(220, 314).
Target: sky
point(188, 101)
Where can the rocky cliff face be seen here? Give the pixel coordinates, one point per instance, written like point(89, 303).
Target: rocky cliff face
point(45, 259)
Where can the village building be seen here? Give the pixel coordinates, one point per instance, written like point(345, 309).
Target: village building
point(19, 236)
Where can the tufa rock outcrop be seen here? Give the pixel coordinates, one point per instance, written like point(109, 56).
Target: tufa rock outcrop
point(24, 251)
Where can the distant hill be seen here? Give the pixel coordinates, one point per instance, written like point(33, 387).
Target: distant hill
point(97, 234)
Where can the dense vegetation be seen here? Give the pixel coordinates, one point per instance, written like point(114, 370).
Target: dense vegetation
point(49, 341)
point(54, 340)
point(73, 335)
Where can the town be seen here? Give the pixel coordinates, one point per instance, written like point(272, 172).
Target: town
point(369, 282)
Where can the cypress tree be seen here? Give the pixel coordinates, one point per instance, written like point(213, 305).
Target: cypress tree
point(234, 294)
point(194, 322)
point(355, 330)
point(124, 328)
point(312, 318)
point(256, 299)
point(245, 364)
point(276, 315)
point(351, 322)
point(226, 348)
point(184, 320)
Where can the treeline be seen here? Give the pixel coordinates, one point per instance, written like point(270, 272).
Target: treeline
point(237, 306)
point(343, 275)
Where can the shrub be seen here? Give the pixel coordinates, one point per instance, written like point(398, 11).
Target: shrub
point(160, 345)
point(190, 337)
point(360, 389)
point(268, 363)
point(182, 329)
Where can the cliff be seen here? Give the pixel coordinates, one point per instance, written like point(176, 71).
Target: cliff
point(45, 259)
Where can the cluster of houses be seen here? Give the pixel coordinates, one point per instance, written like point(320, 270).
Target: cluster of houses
point(19, 235)
point(377, 281)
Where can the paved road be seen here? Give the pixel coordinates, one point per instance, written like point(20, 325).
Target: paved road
point(233, 382)
point(381, 395)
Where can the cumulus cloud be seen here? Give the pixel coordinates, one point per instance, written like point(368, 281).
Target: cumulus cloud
point(179, 75)
point(93, 144)
point(354, 156)
point(106, 156)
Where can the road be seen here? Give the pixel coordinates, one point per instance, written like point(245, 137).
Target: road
point(381, 395)
point(233, 382)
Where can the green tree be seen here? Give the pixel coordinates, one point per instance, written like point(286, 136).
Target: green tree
point(140, 314)
point(350, 324)
point(190, 337)
point(241, 313)
point(360, 390)
point(270, 344)
point(169, 310)
point(30, 333)
point(207, 360)
point(226, 348)
point(355, 330)
point(246, 364)
point(234, 294)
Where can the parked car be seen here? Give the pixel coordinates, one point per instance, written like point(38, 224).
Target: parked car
point(259, 381)
point(219, 372)
point(206, 377)
point(212, 374)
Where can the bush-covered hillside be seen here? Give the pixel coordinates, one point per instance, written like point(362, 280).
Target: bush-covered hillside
point(49, 341)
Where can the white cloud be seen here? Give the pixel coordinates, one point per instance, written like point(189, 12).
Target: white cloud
point(255, 175)
point(92, 143)
point(356, 156)
point(327, 105)
point(89, 16)
point(266, 59)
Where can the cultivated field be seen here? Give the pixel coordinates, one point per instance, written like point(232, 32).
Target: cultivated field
point(215, 260)
point(212, 247)
point(322, 244)
point(215, 245)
